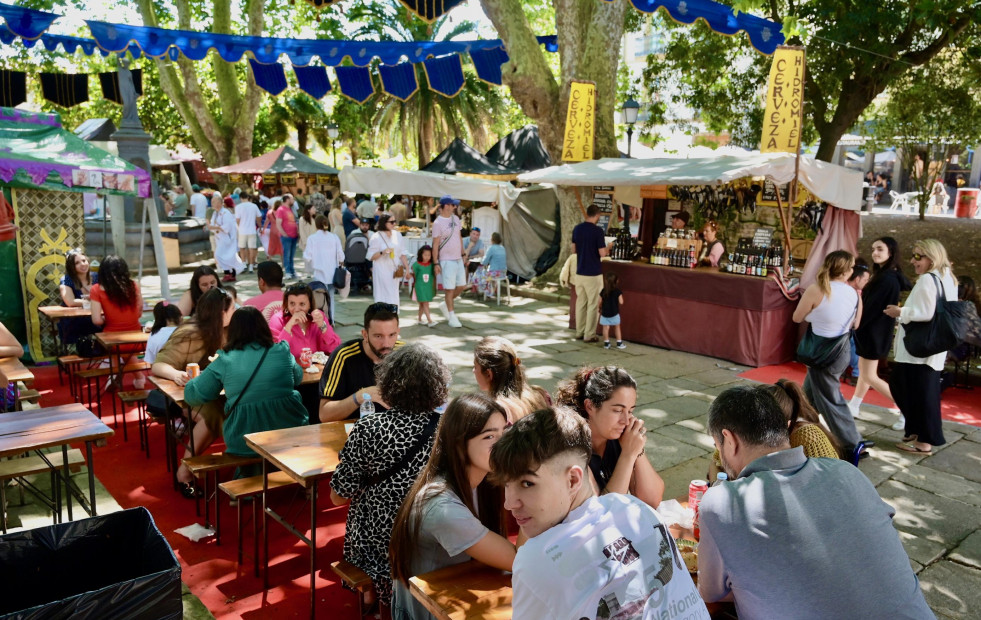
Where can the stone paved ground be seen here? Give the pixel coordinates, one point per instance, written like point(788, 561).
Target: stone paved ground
point(937, 498)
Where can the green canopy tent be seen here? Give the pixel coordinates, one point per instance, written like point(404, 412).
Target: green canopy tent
point(284, 160)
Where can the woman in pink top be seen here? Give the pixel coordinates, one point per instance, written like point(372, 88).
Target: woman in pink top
point(289, 233)
point(302, 326)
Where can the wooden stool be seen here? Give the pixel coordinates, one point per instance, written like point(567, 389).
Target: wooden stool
point(18, 468)
point(209, 465)
point(244, 488)
point(137, 397)
point(69, 365)
point(354, 579)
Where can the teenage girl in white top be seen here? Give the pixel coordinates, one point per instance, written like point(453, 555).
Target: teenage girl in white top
point(832, 307)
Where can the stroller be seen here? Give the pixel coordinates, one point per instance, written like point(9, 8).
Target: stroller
point(356, 261)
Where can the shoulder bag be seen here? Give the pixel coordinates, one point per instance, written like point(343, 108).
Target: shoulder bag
point(946, 330)
point(820, 352)
point(248, 383)
point(424, 438)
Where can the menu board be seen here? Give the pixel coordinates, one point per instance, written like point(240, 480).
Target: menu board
point(603, 198)
point(769, 194)
point(762, 237)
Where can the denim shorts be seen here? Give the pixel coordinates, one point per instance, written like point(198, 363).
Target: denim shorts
point(610, 320)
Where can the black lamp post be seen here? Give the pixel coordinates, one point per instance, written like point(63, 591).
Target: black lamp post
point(630, 110)
point(332, 133)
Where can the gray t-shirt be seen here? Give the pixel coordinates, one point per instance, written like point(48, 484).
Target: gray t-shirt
point(446, 531)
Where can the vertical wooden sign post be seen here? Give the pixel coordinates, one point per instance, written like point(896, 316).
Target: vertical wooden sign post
point(579, 139)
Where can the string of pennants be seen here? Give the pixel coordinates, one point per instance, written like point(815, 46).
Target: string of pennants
point(441, 62)
point(64, 89)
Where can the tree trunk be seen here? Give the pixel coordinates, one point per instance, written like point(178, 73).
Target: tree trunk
point(301, 138)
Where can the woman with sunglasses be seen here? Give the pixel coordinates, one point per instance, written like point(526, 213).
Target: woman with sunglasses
point(385, 253)
point(873, 338)
point(196, 341)
point(453, 513)
point(301, 325)
point(915, 381)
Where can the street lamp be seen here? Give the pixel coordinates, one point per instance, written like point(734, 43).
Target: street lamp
point(630, 110)
point(332, 133)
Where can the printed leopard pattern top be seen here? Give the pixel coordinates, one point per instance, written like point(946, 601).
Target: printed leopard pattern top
point(376, 443)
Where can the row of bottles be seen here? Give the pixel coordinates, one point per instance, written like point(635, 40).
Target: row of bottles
point(675, 257)
point(623, 245)
point(751, 260)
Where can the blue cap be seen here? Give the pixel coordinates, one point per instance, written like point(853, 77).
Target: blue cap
point(448, 200)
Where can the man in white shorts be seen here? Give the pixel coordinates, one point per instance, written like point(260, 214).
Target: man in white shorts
point(448, 256)
point(587, 557)
point(249, 218)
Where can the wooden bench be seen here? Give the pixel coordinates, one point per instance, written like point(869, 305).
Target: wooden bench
point(69, 364)
point(208, 466)
point(32, 465)
point(138, 398)
point(245, 488)
point(94, 375)
point(31, 396)
point(354, 579)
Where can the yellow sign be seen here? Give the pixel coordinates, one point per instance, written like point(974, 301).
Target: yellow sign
point(236, 178)
point(269, 179)
point(323, 179)
point(784, 102)
point(580, 123)
point(287, 179)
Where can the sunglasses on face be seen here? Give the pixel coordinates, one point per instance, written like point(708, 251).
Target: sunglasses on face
point(918, 256)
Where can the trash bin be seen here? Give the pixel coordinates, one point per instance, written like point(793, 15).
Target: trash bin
point(966, 204)
point(171, 244)
point(112, 566)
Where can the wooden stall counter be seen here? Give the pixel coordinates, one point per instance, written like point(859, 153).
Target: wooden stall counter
point(744, 319)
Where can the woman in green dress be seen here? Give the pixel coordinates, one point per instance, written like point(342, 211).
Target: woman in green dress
point(250, 368)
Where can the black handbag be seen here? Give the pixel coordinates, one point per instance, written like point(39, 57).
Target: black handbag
point(819, 351)
point(946, 330)
point(89, 346)
point(340, 278)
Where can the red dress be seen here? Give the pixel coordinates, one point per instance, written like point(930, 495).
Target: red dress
point(275, 245)
point(119, 319)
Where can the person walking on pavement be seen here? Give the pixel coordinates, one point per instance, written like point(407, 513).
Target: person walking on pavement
point(448, 256)
point(589, 246)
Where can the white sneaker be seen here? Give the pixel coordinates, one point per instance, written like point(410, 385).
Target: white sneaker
point(901, 424)
point(854, 407)
point(454, 322)
point(621, 345)
point(433, 324)
point(139, 382)
point(444, 309)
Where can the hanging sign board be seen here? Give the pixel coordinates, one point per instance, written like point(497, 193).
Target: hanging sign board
point(287, 179)
point(784, 102)
point(323, 179)
point(654, 191)
point(580, 123)
point(235, 178)
point(603, 198)
point(269, 179)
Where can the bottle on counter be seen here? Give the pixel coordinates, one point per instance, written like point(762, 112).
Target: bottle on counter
point(367, 407)
point(691, 256)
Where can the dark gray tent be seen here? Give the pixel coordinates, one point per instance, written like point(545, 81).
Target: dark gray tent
point(521, 149)
point(460, 157)
point(96, 129)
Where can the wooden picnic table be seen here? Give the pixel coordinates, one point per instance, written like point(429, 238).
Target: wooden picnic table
point(57, 313)
point(27, 431)
point(15, 371)
point(306, 454)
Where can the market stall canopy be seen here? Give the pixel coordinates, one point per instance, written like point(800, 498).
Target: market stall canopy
point(162, 157)
point(522, 149)
point(356, 180)
point(284, 160)
point(833, 184)
point(461, 158)
point(38, 153)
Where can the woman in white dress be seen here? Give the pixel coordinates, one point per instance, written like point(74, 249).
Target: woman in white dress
point(226, 239)
point(385, 253)
point(336, 218)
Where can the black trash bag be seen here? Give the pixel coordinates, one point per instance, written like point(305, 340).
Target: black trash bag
point(112, 566)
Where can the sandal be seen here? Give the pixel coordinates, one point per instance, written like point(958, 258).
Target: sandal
point(190, 490)
point(912, 447)
point(909, 438)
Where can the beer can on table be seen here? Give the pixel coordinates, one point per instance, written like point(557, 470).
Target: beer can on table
point(306, 357)
point(695, 491)
point(193, 370)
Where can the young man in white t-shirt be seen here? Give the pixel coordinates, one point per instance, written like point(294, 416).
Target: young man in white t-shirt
point(586, 556)
point(249, 219)
point(448, 256)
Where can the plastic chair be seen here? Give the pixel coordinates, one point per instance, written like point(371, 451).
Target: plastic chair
point(497, 282)
point(898, 201)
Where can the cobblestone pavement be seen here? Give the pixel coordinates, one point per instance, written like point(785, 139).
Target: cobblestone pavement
point(937, 497)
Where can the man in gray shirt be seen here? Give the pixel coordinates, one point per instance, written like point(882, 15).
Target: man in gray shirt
point(793, 537)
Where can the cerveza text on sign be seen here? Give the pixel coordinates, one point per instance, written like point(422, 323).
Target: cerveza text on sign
point(784, 102)
point(580, 122)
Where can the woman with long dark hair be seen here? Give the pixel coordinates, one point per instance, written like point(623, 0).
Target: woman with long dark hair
point(117, 306)
point(254, 401)
point(832, 307)
point(873, 337)
point(606, 397)
point(385, 453)
point(385, 254)
point(499, 374)
point(453, 513)
point(203, 279)
point(804, 423)
point(195, 342)
point(301, 325)
point(75, 288)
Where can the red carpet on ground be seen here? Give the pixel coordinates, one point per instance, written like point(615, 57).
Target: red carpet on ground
point(209, 570)
point(956, 404)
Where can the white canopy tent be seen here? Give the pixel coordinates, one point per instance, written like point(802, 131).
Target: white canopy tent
point(833, 184)
point(417, 183)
